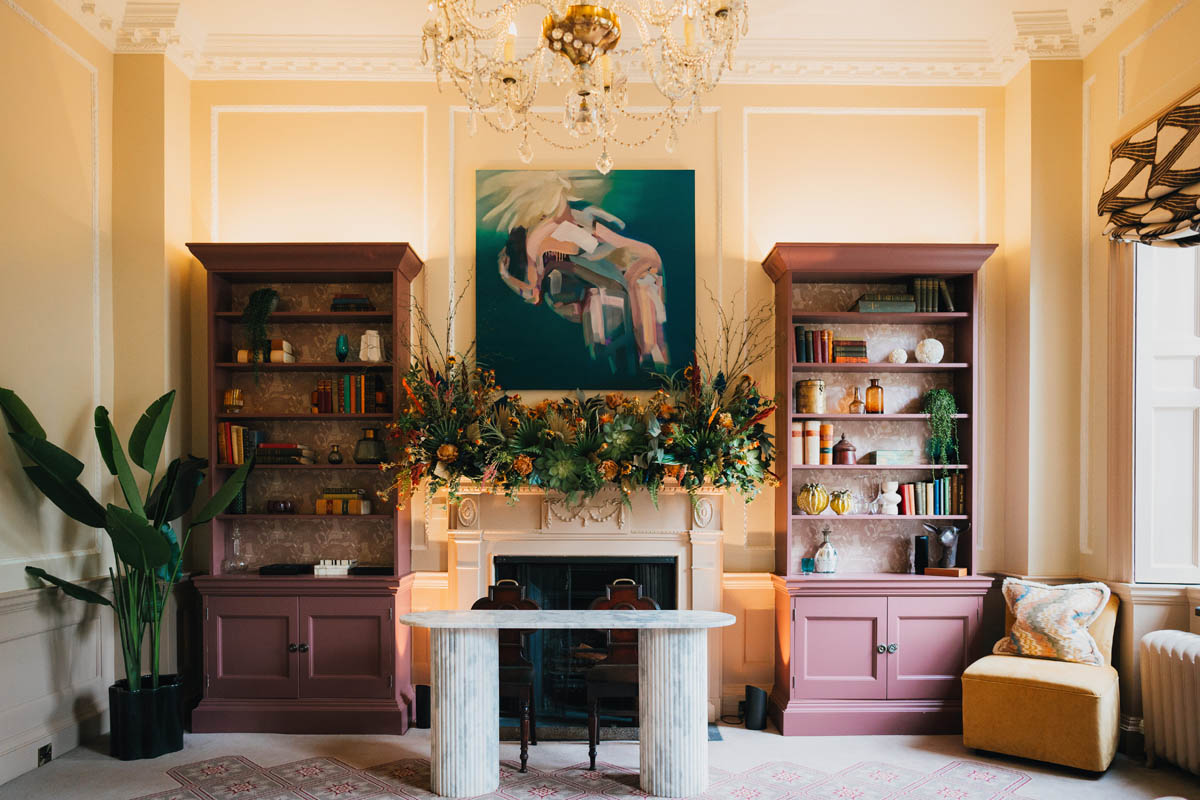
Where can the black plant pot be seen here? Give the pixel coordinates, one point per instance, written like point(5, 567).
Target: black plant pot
point(146, 723)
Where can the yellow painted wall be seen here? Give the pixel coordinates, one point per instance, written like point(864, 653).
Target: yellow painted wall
point(364, 161)
point(1147, 63)
point(56, 84)
point(56, 305)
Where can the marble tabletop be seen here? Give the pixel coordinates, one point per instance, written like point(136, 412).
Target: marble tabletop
point(560, 619)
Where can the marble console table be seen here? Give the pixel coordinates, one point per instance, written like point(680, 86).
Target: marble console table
point(672, 680)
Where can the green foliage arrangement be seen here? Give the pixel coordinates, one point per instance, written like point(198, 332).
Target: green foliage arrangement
point(456, 424)
point(939, 404)
point(258, 310)
point(148, 553)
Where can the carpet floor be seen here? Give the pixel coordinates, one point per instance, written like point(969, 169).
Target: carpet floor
point(746, 765)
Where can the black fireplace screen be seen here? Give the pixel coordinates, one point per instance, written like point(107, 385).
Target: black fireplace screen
point(561, 658)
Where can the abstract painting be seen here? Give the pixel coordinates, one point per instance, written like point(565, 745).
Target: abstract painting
point(583, 280)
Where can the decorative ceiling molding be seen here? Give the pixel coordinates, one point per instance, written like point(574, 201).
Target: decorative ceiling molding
point(164, 26)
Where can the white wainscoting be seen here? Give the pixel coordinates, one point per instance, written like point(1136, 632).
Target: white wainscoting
point(57, 658)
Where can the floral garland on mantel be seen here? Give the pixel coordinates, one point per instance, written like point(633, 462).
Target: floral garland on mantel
point(456, 426)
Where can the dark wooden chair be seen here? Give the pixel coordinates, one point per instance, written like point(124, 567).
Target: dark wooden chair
point(516, 671)
point(617, 675)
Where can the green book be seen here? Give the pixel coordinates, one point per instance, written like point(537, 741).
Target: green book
point(885, 306)
point(946, 295)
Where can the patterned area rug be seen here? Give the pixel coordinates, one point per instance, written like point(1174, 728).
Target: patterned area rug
point(237, 778)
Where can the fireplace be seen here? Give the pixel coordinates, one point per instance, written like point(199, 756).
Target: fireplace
point(487, 536)
point(561, 659)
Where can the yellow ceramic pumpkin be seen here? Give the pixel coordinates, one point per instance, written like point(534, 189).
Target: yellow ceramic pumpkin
point(812, 499)
point(840, 501)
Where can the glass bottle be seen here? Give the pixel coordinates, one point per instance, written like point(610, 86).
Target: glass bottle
point(335, 455)
point(874, 397)
point(370, 449)
point(234, 562)
point(826, 557)
point(857, 406)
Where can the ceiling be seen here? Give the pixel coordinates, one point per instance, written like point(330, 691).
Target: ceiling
point(790, 41)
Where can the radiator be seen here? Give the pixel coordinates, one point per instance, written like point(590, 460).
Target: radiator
point(1170, 664)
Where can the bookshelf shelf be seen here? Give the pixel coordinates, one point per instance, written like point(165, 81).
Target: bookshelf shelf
point(306, 517)
point(877, 367)
point(874, 318)
point(869, 417)
point(304, 417)
point(311, 467)
point(285, 317)
point(354, 693)
point(885, 517)
point(310, 366)
point(852, 467)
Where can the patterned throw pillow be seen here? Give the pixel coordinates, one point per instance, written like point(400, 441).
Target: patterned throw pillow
point(1052, 621)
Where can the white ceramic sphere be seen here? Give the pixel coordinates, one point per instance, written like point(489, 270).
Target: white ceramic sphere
point(930, 351)
point(898, 356)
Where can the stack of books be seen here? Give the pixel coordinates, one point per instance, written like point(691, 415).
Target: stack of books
point(849, 351)
point(350, 394)
point(237, 444)
point(343, 501)
point(351, 302)
point(281, 353)
point(885, 303)
point(939, 497)
point(284, 453)
point(814, 346)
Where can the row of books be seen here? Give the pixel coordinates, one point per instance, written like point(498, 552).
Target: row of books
point(281, 352)
point(819, 347)
point(343, 501)
point(939, 497)
point(815, 445)
point(350, 394)
point(237, 444)
point(351, 302)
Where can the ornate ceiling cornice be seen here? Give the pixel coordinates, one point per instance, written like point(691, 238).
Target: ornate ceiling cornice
point(163, 26)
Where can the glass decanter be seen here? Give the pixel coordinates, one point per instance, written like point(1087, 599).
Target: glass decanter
point(826, 557)
point(234, 561)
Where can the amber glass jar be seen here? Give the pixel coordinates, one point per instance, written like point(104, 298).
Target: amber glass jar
point(874, 397)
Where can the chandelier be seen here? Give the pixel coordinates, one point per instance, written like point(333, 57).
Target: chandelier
point(683, 47)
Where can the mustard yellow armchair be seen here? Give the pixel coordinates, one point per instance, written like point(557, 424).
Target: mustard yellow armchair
point(1054, 711)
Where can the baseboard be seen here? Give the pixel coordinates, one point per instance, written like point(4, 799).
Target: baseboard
point(19, 752)
point(300, 716)
point(865, 717)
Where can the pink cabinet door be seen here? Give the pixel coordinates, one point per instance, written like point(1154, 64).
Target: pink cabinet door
point(247, 647)
point(933, 638)
point(835, 651)
point(348, 647)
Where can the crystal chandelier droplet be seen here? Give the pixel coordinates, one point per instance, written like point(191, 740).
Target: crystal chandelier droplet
point(682, 49)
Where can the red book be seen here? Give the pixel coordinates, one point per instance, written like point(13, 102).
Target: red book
point(228, 441)
point(278, 445)
point(909, 501)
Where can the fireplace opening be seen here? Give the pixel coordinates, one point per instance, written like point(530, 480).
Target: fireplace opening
point(562, 658)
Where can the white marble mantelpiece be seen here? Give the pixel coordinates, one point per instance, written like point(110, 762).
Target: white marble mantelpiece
point(482, 526)
point(672, 684)
point(569, 620)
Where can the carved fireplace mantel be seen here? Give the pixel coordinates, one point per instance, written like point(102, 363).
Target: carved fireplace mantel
point(483, 526)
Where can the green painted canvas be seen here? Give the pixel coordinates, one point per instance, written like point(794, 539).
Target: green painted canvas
point(583, 280)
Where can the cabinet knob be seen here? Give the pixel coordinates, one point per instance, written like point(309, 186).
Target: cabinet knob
point(293, 648)
point(881, 648)
point(304, 647)
point(891, 648)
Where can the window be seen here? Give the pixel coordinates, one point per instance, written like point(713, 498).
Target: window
point(1166, 447)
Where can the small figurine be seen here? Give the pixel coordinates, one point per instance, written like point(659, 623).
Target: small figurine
point(947, 543)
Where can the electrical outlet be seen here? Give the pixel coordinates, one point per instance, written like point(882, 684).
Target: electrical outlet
point(45, 753)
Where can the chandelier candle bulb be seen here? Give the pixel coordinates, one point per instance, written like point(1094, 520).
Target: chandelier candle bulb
point(510, 41)
point(606, 70)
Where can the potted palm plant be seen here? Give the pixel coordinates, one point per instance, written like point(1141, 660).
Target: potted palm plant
point(144, 708)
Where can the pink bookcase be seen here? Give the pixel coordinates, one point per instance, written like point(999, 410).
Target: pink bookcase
point(305, 654)
point(872, 648)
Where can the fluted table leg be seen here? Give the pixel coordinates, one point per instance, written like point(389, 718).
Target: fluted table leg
point(465, 713)
point(673, 710)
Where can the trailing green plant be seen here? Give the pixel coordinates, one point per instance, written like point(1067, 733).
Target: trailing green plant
point(941, 407)
point(258, 310)
point(147, 552)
